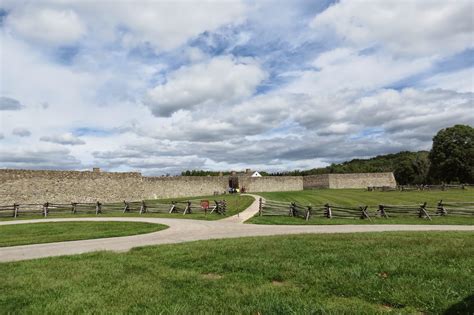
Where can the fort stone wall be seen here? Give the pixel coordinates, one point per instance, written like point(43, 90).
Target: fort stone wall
point(183, 186)
point(316, 181)
point(362, 180)
point(31, 186)
point(271, 183)
point(28, 186)
point(354, 180)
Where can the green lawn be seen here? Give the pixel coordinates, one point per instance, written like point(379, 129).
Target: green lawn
point(408, 273)
point(450, 220)
point(359, 197)
point(47, 232)
point(235, 204)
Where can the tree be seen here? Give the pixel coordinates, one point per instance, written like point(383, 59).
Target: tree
point(452, 155)
point(412, 168)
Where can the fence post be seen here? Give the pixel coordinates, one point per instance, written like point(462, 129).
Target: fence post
point(187, 209)
point(260, 205)
point(441, 209)
point(382, 212)
point(327, 211)
point(173, 205)
point(127, 207)
point(98, 207)
point(308, 213)
point(15, 208)
point(143, 207)
point(364, 213)
point(74, 210)
point(291, 213)
point(423, 213)
point(45, 209)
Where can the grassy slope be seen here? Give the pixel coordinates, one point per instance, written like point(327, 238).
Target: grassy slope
point(356, 197)
point(36, 233)
point(235, 204)
point(339, 273)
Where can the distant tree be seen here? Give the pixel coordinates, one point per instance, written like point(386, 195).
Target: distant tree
point(452, 155)
point(412, 168)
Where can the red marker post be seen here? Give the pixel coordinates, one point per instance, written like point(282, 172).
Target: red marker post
point(205, 205)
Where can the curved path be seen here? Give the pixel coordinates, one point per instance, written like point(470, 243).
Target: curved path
point(185, 230)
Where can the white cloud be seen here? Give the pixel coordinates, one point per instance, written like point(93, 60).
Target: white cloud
point(217, 82)
point(163, 25)
point(411, 110)
point(299, 102)
point(460, 81)
point(66, 139)
point(46, 25)
point(167, 25)
point(409, 28)
point(38, 159)
point(347, 69)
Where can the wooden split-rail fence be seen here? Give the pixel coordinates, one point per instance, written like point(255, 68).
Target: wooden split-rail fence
point(418, 187)
point(141, 207)
point(293, 209)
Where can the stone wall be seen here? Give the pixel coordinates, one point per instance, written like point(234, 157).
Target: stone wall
point(316, 181)
point(354, 180)
point(28, 186)
point(183, 186)
point(362, 180)
point(271, 183)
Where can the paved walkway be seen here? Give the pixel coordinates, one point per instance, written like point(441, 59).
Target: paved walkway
point(185, 230)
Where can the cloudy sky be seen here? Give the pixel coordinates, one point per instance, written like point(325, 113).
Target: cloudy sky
point(162, 87)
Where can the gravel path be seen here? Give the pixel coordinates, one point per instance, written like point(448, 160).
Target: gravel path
point(184, 230)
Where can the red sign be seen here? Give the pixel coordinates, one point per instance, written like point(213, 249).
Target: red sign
point(205, 204)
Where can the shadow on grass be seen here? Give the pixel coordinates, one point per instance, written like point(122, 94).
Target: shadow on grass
point(465, 306)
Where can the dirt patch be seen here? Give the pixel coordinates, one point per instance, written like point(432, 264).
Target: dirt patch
point(386, 307)
point(278, 283)
point(211, 276)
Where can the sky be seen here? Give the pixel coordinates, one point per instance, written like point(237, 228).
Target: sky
point(162, 87)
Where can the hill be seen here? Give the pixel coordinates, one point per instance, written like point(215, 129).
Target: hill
point(408, 167)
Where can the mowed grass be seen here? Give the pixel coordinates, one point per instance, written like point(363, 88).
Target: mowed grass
point(35, 233)
point(402, 273)
point(359, 197)
point(235, 204)
point(435, 220)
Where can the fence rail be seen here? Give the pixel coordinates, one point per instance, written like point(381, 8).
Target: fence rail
point(418, 187)
point(455, 208)
point(293, 209)
point(140, 207)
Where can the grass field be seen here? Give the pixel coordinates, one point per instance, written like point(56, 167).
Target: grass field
point(405, 273)
point(235, 204)
point(285, 220)
point(35, 233)
point(358, 197)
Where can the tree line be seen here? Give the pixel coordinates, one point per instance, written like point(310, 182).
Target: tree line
point(451, 160)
